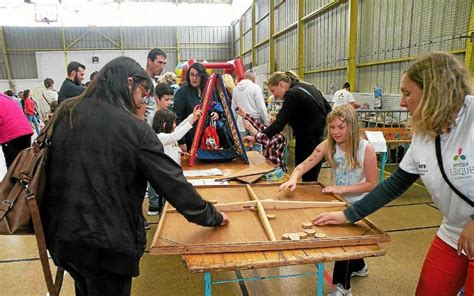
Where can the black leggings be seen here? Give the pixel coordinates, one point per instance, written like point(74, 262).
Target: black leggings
point(343, 271)
point(13, 147)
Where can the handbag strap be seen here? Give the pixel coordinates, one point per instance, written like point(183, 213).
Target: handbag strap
point(54, 288)
point(440, 164)
point(314, 99)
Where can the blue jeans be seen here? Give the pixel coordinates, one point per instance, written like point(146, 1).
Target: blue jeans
point(34, 120)
point(155, 201)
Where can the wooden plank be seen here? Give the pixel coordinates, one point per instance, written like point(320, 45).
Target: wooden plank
point(250, 179)
point(255, 260)
point(261, 168)
point(262, 214)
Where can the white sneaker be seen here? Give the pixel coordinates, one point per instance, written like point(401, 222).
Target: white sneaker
point(363, 272)
point(340, 291)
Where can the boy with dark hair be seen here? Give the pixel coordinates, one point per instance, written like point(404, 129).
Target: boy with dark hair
point(163, 96)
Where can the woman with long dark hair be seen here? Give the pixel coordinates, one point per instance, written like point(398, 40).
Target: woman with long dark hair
point(101, 157)
point(187, 97)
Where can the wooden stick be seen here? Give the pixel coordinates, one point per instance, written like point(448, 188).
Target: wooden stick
point(294, 204)
point(160, 224)
point(262, 214)
point(231, 206)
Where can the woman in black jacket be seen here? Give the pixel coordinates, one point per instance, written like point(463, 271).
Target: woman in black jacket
point(101, 157)
point(305, 109)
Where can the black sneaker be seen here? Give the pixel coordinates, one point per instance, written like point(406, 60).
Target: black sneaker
point(147, 226)
point(153, 211)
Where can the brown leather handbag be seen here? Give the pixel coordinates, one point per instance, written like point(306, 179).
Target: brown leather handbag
point(21, 191)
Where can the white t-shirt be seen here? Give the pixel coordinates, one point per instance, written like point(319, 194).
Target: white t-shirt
point(457, 150)
point(343, 176)
point(342, 97)
point(170, 141)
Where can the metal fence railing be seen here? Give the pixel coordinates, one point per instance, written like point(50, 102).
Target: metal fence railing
point(382, 118)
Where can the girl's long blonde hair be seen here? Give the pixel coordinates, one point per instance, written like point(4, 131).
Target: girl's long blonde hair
point(347, 114)
point(444, 82)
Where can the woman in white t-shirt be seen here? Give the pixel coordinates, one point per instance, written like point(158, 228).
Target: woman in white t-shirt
point(436, 91)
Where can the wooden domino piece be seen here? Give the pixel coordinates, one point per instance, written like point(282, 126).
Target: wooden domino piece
point(320, 234)
point(285, 236)
point(307, 225)
point(310, 231)
point(271, 216)
point(302, 235)
point(294, 237)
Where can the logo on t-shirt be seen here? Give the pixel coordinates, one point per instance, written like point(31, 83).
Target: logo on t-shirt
point(459, 156)
point(461, 168)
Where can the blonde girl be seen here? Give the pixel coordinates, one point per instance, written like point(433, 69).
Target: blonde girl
point(354, 167)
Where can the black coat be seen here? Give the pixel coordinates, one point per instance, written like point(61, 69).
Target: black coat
point(69, 89)
point(97, 174)
point(306, 116)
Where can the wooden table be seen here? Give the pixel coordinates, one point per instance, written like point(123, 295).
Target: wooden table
point(255, 260)
point(230, 166)
point(208, 263)
point(392, 135)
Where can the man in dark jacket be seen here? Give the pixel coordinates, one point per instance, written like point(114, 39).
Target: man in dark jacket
point(72, 85)
point(92, 212)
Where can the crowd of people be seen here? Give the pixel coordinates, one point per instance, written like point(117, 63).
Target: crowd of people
point(122, 137)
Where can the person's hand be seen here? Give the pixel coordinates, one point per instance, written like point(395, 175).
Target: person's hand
point(240, 112)
point(249, 126)
point(466, 241)
point(335, 189)
point(214, 116)
point(196, 113)
point(225, 219)
point(291, 184)
point(330, 218)
point(249, 140)
point(184, 148)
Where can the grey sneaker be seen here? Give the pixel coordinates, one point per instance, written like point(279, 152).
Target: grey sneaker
point(340, 291)
point(363, 272)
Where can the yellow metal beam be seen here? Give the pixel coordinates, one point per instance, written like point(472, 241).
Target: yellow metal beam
point(177, 45)
point(254, 34)
point(325, 70)
point(263, 42)
point(351, 64)
point(241, 33)
point(469, 57)
point(64, 48)
point(79, 38)
point(121, 40)
point(283, 31)
point(6, 60)
point(270, 37)
point(300, 37)
point(369, 64)
point(321, 10)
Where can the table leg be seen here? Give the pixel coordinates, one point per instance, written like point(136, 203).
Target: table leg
point(207, 284)
point(383, 161)
point(320, 268)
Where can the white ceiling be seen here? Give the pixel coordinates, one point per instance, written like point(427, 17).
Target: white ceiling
point(71, 13)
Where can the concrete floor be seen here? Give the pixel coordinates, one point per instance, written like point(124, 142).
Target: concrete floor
point(411, 221)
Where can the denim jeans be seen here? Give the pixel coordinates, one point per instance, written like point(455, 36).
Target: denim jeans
point(33, 119)
point(155, 201)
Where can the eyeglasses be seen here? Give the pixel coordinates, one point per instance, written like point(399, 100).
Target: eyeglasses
point(194, 75)
point(145, 91)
